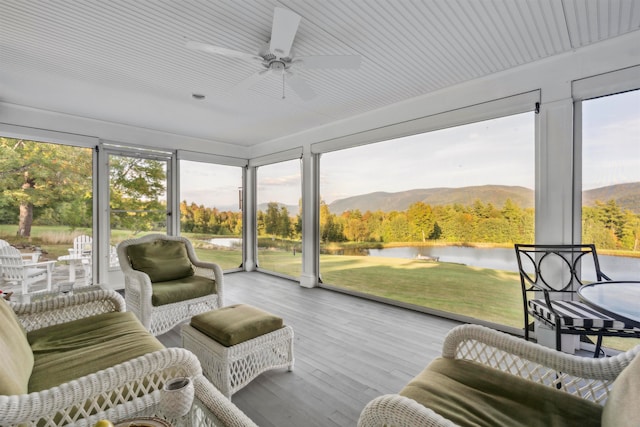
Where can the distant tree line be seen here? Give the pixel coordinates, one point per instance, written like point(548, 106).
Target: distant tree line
point(605, 224)
point(200, 219)
point(478, 222)
point(610, 227)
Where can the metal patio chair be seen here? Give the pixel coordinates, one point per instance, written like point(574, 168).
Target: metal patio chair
point(550, 276)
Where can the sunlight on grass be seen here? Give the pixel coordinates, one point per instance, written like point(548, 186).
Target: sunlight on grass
point(480, 293)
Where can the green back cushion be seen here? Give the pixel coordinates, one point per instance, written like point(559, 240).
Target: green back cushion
point(161, 259)
point(234, 324)
point(183, 289)
point(622, 408)
point(471, 394)
point(15, 353)
point(71, 350)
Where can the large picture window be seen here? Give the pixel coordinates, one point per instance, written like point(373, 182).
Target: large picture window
point(430, 220)
point(611, 187)
point(46, 200)
point(279, 218)
point(211, 211)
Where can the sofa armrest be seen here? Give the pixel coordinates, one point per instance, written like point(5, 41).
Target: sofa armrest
point(62, 309)
point(213, 271)
point(588, 378)
point(114, 393)
point(219, 405)
point(399, 411)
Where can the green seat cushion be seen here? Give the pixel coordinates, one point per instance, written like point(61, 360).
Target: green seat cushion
point(15, 353)
point(181, 290)
point(622, 409)
point(471, 394)
point(71, 350)
point(161, 259)
point(235, 324)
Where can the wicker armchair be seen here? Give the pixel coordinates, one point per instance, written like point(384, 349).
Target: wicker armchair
point(587, 379)
point(140, 289)
point(113, 393)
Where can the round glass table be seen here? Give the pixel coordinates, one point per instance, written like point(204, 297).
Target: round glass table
point(620, 300)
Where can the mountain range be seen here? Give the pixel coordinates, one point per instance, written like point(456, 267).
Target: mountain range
point(627, 196)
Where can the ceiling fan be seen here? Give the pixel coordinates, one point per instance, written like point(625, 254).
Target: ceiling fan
point(276, 56)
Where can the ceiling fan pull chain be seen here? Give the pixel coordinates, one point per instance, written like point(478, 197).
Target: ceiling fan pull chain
point(282, 84)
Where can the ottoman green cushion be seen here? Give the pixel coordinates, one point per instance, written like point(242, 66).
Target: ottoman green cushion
point(235, 324)
point(471, 394)
point(71, 350)
point(183, 289)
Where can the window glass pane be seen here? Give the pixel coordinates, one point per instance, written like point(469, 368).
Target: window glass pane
point(211, 211)
point(137, 197)
point(611, 187)
point(431, 219)
point(46, 199)
point(278, 219)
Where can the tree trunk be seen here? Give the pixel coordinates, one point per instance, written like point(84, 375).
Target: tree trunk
point(26, 219)
point(26, 209)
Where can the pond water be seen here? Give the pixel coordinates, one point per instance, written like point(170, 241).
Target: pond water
point(616, 267)
point(227, 242)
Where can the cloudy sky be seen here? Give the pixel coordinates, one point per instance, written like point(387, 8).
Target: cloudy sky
point(499, 151)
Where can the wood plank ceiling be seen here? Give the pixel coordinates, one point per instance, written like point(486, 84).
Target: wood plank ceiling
point(125, 61)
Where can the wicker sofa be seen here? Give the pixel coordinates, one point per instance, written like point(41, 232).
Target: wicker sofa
point(78, 358)
point(488, 378)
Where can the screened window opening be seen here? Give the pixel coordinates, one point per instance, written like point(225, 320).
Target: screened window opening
point(611, 188)
point(279, 218)
point(46, 202)
point(430, 220)
point(211, 211)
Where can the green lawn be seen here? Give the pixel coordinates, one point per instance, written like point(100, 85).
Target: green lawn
point(480, 293)
point(227, 259)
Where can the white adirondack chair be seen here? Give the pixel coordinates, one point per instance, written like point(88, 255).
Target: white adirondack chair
point(82, 246)
point(15, 270)
point(113, 257)
point(33, 256)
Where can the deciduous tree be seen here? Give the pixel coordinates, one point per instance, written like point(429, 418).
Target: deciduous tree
point(38, 175)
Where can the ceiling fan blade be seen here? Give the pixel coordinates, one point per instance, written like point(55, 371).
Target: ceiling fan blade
point(300, 86)
point(283, 31)
point(330, 61)
point(204, 47)
point(250, 81)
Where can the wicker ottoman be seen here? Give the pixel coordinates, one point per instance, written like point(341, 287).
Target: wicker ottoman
point(237, 343)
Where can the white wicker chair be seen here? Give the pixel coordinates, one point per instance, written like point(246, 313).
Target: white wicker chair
point(138, 289)
point(125, 388)
point(219, 405)
point(587, 378)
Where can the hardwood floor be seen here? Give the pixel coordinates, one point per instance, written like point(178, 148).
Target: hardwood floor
point(348, 350)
